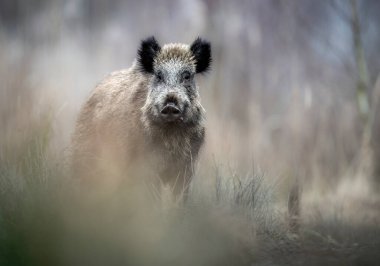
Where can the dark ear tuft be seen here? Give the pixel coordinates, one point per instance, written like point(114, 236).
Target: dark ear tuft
point(146, 54)
point(201, 50)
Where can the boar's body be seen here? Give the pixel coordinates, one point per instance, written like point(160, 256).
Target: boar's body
point(121, 133)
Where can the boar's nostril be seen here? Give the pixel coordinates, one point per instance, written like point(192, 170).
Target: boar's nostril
point(171, 99)
point(170, 109)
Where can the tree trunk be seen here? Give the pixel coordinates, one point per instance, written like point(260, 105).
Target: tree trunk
point(363, 77)
point(366, 153)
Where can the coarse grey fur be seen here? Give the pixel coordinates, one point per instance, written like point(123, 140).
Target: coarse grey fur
point(122, 130)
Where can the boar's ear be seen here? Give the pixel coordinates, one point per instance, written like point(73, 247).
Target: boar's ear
point(201, 50)
point(148, 50)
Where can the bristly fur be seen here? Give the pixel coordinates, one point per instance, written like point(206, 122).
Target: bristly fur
point(201, 50)
point(175, 52)
point(148, 50)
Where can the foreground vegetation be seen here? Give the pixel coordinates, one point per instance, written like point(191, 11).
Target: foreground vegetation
point(46, 218)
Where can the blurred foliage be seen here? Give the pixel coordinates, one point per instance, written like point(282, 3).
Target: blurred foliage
point(46, 218)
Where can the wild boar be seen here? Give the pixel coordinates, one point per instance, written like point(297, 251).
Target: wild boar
point(145, 121)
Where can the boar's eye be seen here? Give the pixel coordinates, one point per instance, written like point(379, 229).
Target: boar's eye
point(159, 76)
point(186, 76)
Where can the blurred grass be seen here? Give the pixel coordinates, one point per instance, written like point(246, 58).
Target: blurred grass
point(46, 218)
point(29, 196)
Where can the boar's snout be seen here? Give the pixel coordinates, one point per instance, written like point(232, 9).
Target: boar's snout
point(171, 110)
